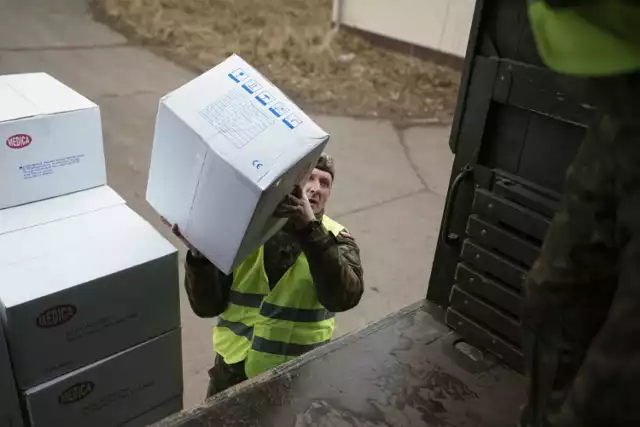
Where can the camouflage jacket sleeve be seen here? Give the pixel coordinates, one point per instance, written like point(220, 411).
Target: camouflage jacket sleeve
point(604, 392)
point(335, 267)
point(207, 287)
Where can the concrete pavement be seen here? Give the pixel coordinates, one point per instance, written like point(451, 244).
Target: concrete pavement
point(390, 183)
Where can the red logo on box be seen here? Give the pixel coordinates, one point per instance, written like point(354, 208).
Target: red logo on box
point(76, 392)
point(18, 141)
point(56, 316)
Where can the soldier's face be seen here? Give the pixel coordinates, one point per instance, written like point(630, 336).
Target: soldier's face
point(318, 189)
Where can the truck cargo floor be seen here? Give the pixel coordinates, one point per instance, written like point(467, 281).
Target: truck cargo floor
point(402, 371)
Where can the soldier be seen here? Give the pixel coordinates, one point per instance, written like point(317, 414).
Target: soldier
point(280, 302)
point(583, 311)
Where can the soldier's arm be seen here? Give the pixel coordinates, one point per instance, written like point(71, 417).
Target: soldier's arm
point(207, 287)
point(335, 266)
point(606, 384)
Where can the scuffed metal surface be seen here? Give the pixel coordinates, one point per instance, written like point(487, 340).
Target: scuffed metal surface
point(404, 371)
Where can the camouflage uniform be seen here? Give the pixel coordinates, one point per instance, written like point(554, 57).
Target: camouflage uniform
point(582, 320)
point(335, 266)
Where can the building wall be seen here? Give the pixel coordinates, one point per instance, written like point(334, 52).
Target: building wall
point(441, 25)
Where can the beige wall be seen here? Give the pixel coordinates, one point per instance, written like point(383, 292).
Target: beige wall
point(437, 24)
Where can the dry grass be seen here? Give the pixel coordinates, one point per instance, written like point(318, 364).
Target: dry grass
point(292, 43)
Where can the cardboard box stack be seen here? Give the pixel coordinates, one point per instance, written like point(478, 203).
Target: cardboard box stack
point(89, 297)
point(10, 415)
point(228, 147)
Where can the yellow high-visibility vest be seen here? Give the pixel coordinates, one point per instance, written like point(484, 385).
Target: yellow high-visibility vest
point(266, 328)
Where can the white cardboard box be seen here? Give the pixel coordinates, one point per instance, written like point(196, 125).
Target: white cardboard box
point(49, 210)
point(93, 281)
point(228, 147)
point(133, 388)
point(50, 140)
point(10, 412)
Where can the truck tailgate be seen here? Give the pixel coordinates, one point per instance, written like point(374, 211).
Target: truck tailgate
point(402, 371)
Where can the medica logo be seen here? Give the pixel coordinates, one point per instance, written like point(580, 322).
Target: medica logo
point(56, 316)
point(19, 141)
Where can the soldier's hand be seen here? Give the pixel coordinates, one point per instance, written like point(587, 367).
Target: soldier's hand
point(176, 231)
point(296, 208)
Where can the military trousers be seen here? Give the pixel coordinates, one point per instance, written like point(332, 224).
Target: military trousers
point(223, 376)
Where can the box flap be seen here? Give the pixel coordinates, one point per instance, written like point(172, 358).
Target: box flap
point(37, 213)
point(41, 93)
point(70, 252)
point(246, 120)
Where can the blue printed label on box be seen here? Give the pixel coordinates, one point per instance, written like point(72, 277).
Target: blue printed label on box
point(265, 98)
point(279, 110)
point(292, 121)
point(252, 86)
point(48, 167)
point(238, 75)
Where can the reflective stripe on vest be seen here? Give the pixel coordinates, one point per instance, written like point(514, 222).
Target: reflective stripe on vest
point(269, 327)
point(246, 300)
point(281, 348)
point(238, 328)
point(273, 311)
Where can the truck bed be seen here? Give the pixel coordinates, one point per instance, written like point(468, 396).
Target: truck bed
point(402, 371)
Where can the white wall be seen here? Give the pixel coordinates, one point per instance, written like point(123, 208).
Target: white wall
point(441, 25)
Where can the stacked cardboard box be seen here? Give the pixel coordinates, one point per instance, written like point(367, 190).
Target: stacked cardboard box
point(88, 290)
point(10, 415)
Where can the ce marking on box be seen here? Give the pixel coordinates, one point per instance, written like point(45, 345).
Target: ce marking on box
point(256, 164)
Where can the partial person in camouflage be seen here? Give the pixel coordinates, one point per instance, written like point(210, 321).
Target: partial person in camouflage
point(582, 315)
point(310, 270)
